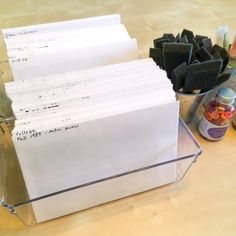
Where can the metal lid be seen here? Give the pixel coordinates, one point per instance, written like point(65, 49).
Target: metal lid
point(226, 96)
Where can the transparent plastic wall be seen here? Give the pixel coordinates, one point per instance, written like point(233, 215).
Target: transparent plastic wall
point(65, 201)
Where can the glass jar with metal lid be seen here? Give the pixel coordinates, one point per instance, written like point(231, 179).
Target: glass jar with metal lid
point(218, 115)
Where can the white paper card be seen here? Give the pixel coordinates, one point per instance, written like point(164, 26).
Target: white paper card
point(97, 149)
point(61, 26)
point(45, 64)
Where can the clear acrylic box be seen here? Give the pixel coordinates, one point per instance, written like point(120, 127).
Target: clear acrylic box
point(14, 196)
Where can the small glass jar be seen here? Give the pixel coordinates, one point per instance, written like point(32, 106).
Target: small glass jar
point(218, 115)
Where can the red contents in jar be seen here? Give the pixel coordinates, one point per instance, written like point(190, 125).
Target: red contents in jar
point(219, 115)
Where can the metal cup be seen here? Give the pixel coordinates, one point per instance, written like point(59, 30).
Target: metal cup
point(189, 104)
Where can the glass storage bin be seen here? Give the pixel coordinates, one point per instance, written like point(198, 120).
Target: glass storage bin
point(14, 195)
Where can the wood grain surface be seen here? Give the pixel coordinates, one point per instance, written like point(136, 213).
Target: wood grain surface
point(204, 202)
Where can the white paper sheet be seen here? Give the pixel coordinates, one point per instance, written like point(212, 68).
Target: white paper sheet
point(97, 149)
point(61, 26)
point(79, 75)
point(45, 64)
point(99, 193)
point(64, 40)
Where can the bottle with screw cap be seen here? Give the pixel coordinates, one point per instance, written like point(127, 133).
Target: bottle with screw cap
point(218, 115)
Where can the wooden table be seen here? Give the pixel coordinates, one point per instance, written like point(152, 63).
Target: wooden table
point(204, 202)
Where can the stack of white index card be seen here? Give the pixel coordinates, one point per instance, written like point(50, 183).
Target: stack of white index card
point(100, 128)
point(38, 50)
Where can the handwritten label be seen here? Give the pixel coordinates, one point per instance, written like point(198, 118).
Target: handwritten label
point(32, 134)
point(24, 132)
point(21, 138)
point(71, 127)
point(19, 60)
point(25, 32)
